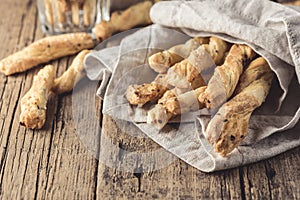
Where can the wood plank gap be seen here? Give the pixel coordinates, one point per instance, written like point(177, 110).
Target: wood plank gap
point(242, 183)
point(268, 177)
point(20, 32)
point(26, 164)
point(37, 180)
point(3, 159)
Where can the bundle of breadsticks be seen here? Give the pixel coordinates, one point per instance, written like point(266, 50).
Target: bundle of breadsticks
point(239, 84)
point(58, 10)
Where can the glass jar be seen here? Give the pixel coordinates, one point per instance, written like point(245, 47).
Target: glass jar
point(65, 16)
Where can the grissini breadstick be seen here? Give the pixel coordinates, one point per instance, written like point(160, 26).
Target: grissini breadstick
point(142, 94)
point(75, 12)
point(34, 102)
point(135, 15)
point(162, 61)
point(217, 49)
point(183, 75)
point(61, 8)
point(89, 8)
point(293, 3)
point(173, 106)
point(45, 50)
point(187, 72)
point(49, 12)
point(225, 78)
point(229, 126)
point(70, 78)
point(257, 68)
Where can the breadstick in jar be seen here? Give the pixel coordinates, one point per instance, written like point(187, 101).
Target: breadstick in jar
point(229, 126)
point(75, 12)
point(34, 102)
point(162, 61)
point(89, 8)
point(49, 12)
point(61, 9)
point(72, 76)
point(45, 50)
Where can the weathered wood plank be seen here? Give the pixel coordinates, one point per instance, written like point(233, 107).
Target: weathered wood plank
point(14, 145)
point(175, 180)
point(38, 164)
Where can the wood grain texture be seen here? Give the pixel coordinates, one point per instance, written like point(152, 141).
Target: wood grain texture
point(54, 163)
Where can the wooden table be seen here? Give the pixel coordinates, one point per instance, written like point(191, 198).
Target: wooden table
point(53, 163)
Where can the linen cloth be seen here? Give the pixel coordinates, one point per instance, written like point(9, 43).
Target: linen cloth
point(271, 29)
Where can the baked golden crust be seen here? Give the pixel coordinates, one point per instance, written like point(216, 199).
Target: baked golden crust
point(186, 74)
point(72, 76)
point(174, 103)
point(162, 61)
point(225, 78)
point(258, 68)
point(45, 50)
point(229, 126)
point(34, 102)
point(149, 92)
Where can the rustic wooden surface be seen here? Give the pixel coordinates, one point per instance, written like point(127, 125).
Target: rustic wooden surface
point(54, 163)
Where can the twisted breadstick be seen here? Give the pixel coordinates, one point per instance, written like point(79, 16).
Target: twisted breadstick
point(141, 94)
point(34, 103)
point(72, 76)
point(44, 50)
point(225, 78)
point(162, 61)
point(258, 68)
point(183, 75)
point(186, 73)
point(173, 106)
point(135, 15)
point(229, 126)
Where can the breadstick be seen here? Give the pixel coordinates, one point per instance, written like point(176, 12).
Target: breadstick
point(142, 94)
point(75, 12)
point(72, 76)
point(183, 75)
point(45, 50)
point(61, 8)
point(230, 125)
point(225, 78)
point(162, 61)
point(49, 12)
point(34, 102)
point(135, 15)
point(186, 73)
point(175, 105)
point(293, 3)
point(89, 8)
point(258, 68)
point(217, 49)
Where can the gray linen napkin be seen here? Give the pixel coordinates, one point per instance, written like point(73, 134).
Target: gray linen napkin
point(271, 29)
